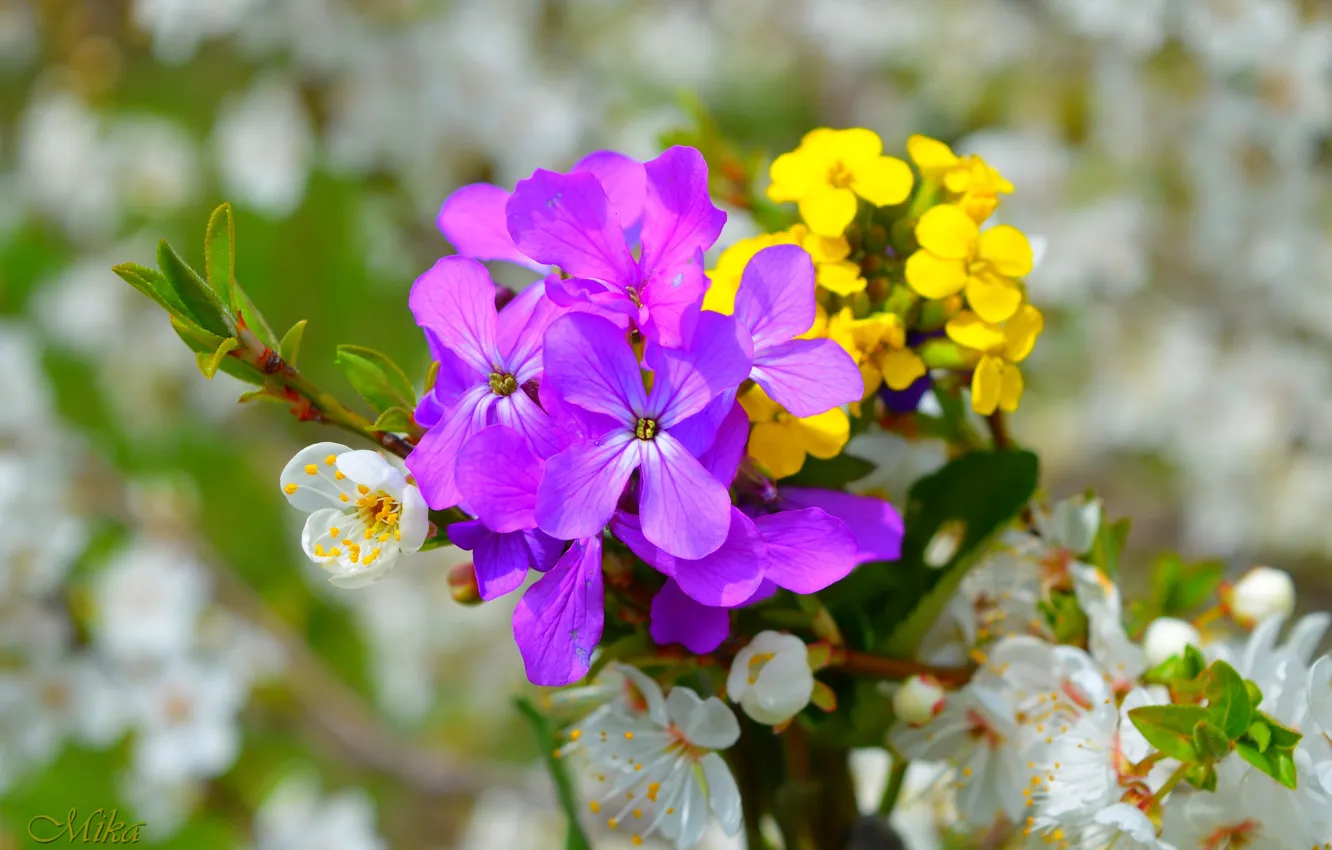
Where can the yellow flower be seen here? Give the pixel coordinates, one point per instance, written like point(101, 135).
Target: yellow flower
point(974, 184)
point(720, 297)
point(832, 270)
point(780, 441)
point(997, 382)
point(829, 169)
point(955, 255)
point(878, 345)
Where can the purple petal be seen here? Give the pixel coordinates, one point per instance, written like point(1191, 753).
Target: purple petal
point(434, 459)
point(808, 376)
point(473, 219)
point(498, 475)
point(679, 218)
point(875, 524)
point(776, 296)
point(684, 510)
point(543, 549)
point(673, 302)
point(622, 178)
point(698, 431)
point(726, 577)
point(453, 378)
point(596, 297)
point(589, 360)
point(807, 549)
point(583, 483)
point(685, 380)
point(500, 561)
point(523, 415)
point(558, 622)
point(723, 457)
point(907, 400)
point(766, 590)
point(569, 422)
point(565, 220)
point(520, 328)
point(455, 301)
point(678, 619)
point(429, 410)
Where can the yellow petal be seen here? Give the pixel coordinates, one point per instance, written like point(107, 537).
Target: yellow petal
point(828, 210)
point(883, 181)
point(947, 232)
point(958, 180)
point(992, 297)
point(759, 407)
point(826, 249)
point(901, 368)
point(978, 205)
point(776, 447)
point(819, 329)
point(931, 156)
point(986, 385)
point(720, 297)
point(824, 435)
point(795, 175)
point(1011, 390)
point(1007, 250)
point(933, 277)
point(1020, 333)
point(871, 376)
point(853, 146)
point(966, 328)
point(842, 278)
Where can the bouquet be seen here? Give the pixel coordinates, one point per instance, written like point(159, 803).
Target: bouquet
point(722, 601)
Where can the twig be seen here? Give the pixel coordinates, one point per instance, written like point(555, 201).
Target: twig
point(999, 430)
point(877, 666)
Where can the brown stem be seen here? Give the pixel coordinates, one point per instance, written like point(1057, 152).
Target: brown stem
point(999, 430)
point(879, 667)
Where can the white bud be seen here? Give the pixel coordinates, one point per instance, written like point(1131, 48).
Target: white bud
point(1167, 636)
point(918, 700)
point(1260, 593)
point(770, 678)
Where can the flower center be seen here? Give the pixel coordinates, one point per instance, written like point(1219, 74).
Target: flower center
point(646, 429)
point(632, 292)
point(980, 729)
point(756, 665)
point(502, 383)
point(380, 512)
point(839, 175)
point(1231, 837)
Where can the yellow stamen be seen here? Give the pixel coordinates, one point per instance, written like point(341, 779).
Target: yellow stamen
point(291, 489)
point(331, 460)
point(311, 469)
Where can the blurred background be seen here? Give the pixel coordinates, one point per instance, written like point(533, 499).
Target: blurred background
point(166, 649)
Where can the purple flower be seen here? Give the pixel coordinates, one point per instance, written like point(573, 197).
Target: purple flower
point(684, 510)
point(723, 578)
point(485, 359)
point(559, 620)
point(677, 618)
point(874, 523)
point(775, 302)
point(572, 221)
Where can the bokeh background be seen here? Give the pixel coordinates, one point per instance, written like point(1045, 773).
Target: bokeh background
point(164, 648)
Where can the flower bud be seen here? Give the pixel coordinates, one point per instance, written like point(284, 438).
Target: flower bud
point(919, 700)
point(462, 584)
point(1166, 637)
point(770, 678)
point(1261, 593)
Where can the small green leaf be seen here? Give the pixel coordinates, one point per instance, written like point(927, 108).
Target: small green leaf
point(431, 374)
point(201, 342)
point(1227, 700)
point(564, 788)
point(1067, 620)
point(379, 380)
point(1196, 586)
point(151, 283)
point(824, 697)
point(1195, 660)
point(259, 395)
point(200, 303)
point(1255, 693)
point(1202, 776)
point(1109, 544)
point(818, 655)
point(1278, 764)
point(1283, 737)
point(1260, 734)
point(209, 363)
point(290, 346)
point(397, 420)
point(220, 256)
point(1210, 740)
point(1169, 728)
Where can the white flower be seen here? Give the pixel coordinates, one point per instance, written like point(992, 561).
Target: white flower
point(187, 723)
point(364, 511)
point(1078, 775)
point(148, 600)
point(1251, 809)
point(1071, 525)
point(1107, 641)
point(1167, 637)
point(1318, 691)
point(1124, 827)
point(1260, 593)
point(919, 700)
point(654, 765)
point(770, 678)
point(295, 816)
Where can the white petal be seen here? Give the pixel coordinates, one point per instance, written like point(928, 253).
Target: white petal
point(1318, 684)
point(415, 520)
point(1305, 636)
point(350, 577)
point(366, 467)
point(318, 532)
point(704, 723)
point(651, 691)
point(785, 684)
point(737, 681)
point(1128, 819)
point(693, 814)
point(723, 793)
point(310, 492)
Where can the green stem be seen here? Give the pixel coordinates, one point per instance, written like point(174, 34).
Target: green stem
point(895, 781)
point(879, 667)
point(1175, 779)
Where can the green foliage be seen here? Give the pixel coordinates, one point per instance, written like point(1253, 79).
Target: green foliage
point(564, 789)
point(832, 474)
point(220, 256)
point(290, 346)
point(201, 304)
point(376, 378)
point(209, 363)
point(1169, 728)
point(1178, 589)
point(1228, 700)
point(1109, 544)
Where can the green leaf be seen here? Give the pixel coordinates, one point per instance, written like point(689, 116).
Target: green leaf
point(1202, 776)
point(824, 697)
point(220, 256)
point(1227, 700)
point(1196, 586)
point(950, 517)
point(290, 346)
point(1169, 728)
point(1067, 620)
point(255, 321)
point(209, 363)
point(1210, 740)
point(833, 474)
point(152, 283)
point(1260, 734)
point(378, 379)
point(564, 789)
point(396, 419)
point(201, 342)
point(1283, 737)
point(1255, 693)
point(1109, 544)
point(1278, 764)
point(200, 303)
